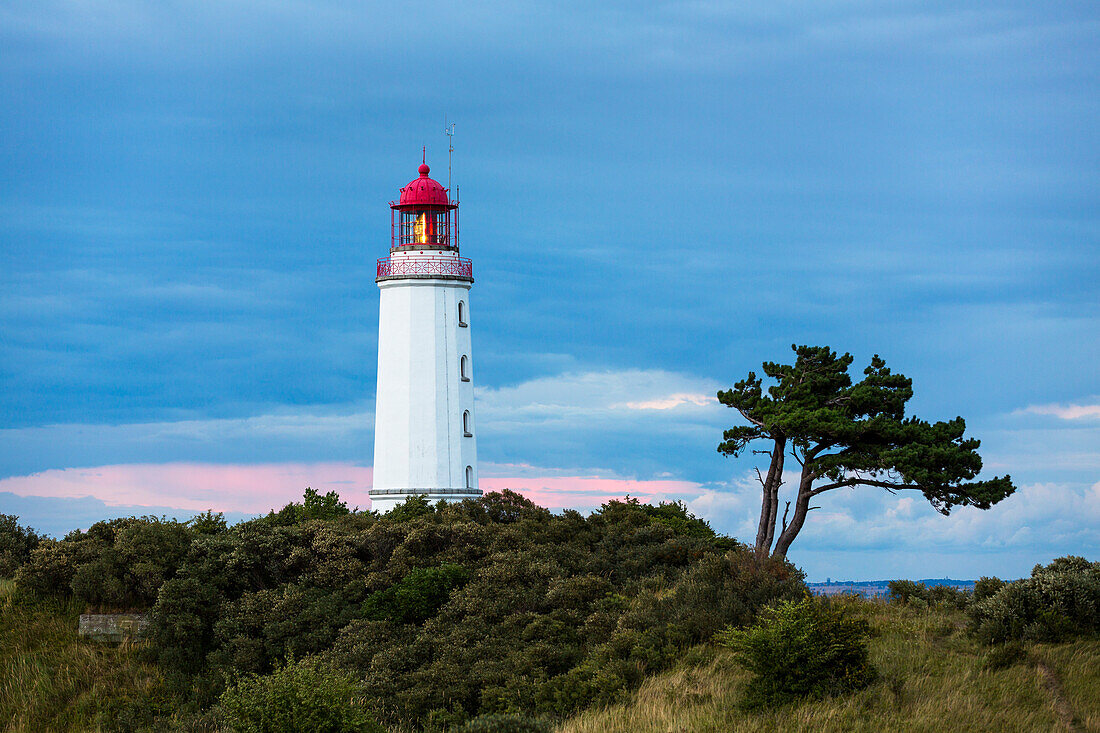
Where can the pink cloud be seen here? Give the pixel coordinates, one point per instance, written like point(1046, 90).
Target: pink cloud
point(259, 488)
point(562, 492)
point(199, 486)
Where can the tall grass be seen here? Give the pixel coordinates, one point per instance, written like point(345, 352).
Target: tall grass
point(932, 677)
point(50, 680)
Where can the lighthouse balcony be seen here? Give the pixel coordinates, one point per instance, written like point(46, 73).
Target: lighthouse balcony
point(423, 265)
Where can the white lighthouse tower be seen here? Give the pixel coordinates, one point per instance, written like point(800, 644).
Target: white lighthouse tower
point(424, 432)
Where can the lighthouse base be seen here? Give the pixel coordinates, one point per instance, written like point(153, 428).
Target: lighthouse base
point(383, 500)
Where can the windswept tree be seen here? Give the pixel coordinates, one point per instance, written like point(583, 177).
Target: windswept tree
point(842, 434)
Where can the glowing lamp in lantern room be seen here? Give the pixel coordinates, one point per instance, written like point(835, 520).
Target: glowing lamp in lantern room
point(423, 214)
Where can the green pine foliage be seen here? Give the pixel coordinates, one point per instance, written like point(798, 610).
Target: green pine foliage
point(846, 434)
point(806, 649)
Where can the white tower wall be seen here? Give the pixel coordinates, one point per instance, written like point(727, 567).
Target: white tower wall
point(424, 401)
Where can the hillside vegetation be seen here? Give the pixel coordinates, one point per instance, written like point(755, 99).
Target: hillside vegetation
point(441, 613)
point(497, 616)
point(932, 676)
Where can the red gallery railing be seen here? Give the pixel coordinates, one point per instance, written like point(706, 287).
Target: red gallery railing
point(426, 265)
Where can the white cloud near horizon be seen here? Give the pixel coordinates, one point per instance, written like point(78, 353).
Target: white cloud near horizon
point(1065, 412)
point(672, 400)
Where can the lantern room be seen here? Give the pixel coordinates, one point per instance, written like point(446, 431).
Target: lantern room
point(422, 216)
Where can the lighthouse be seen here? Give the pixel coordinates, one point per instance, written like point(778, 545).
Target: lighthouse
point(425, 441)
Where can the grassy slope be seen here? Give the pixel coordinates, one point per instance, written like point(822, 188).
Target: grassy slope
point(52, 680)
point(932, 678)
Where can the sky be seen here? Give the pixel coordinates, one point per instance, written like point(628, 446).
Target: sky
point(657, 197)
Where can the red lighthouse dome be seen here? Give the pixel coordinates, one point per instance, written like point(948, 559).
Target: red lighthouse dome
point(423, 215)
point(424, 191)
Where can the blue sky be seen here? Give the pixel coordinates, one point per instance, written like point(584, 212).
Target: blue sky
point(656, 199)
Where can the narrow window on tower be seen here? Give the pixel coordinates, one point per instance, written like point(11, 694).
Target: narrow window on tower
point(466, 424)
point(464, 369)
point(462, 314)
point(469, 477)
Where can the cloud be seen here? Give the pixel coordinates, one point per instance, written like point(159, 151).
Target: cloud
point(672, 400)
point(198, 486)
point(589, 492)
point(309, 434)
point(856, 533)
point(58, 516)
point(634, 423)
point(869, 534)
point(599, 392)
point(879, 530)
point(69, 498)
point(1065, 412)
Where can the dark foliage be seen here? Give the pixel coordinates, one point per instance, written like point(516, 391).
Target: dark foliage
point(1057, 602)
point(116, 564)
point(313, 506)
point(302, 696)
point(16, 544)
point(987, 587)
point(811, 648)
point(491, 610)
point(908, 592)
point(948, 596)
point(903, 592)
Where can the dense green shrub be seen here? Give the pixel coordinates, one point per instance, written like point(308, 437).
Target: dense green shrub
point(416, 597)
point(16, 544)
point(301, 696)
point(313, 506)
point(445, 612)
point(912, 593)
point(1058, 601)
point(120, 563)
point(948, 596)
point(985, 587)
point(209, 522)
point(904, 592)
point(811, 648)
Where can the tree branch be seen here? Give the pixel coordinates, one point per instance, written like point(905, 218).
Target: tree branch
point(754, 421)
point(864, 482)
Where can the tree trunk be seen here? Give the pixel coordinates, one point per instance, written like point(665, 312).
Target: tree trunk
point(769, 503)
point(801, 508)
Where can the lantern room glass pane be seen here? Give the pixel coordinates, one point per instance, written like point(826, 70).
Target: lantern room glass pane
point(425, 227)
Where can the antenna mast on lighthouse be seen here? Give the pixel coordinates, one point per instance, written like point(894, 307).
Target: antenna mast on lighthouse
point(449, 131)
